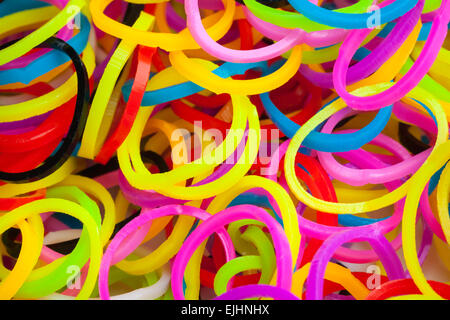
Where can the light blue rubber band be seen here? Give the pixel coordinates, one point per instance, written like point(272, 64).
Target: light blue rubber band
point(352, 20)
point(48, 61)
point(8, 7)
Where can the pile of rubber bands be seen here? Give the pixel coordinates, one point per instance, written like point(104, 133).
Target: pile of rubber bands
point(222, 149)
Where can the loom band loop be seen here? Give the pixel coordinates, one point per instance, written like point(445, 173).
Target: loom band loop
point(174, 86)
point(33, 16)
point(201, 190)
point(44, 63)
point(253, 125)
point(26, 124)
point(383, 248)
point(8, 204)
point(316, 39)
point(233, 267)
point(145, 56)
point(319, 185)
point(242, 247)
point(279, 200)
point(387, 13)
point(329, 53)
point(146, 217)
point(76, 128)
point(405, 286)
point(334, 273)
point(385, 60)
point(216, 84)
point(30, 126)
point(54, 127)
point(442, 195)
point(259, 246)
point(24, 45)
point(89, 146)
point(122, 205)
point(49, 101)
point(328, 142)
point(265, 249)
point(167, 250)
point(200, 35)
point(7, 7)
point(32, 237)
point(295, 20)
point(407, 115)
point(311, 229)
point(192, 115)
point(143, 198)
point(19, 162)
point(437, 70)
point(321, 232)
point(95, 189)
point(13, 247)
point(358, 177)
point(258, 198)
point(58, 205)
point(370, 205)
point(372, 176)
point(231, 39)
point(203, 231)
point(429, 84)
point(77, 257)
point(207, 279)
point(402, 86)
point(145, 235)
point(166, 41)
point(435, 161)
point(257, 291)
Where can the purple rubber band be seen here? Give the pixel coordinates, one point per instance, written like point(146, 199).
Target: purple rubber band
point(144, 218)
point(231, 214)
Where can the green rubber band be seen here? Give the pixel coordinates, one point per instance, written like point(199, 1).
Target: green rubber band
point(240, 245)
point(233, 267)
point(293, 20)
point(266, 252)
point(52, 277)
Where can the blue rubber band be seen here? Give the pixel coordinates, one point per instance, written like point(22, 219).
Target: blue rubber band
point(8, 7)
point(352, 20)
point(327, 142)
point(179, 91)
point(48, 61)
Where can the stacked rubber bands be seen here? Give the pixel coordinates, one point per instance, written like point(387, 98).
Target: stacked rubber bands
point(222, 149)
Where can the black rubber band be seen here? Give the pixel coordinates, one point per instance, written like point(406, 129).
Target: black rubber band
point(76, 128)
point(132, 13)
